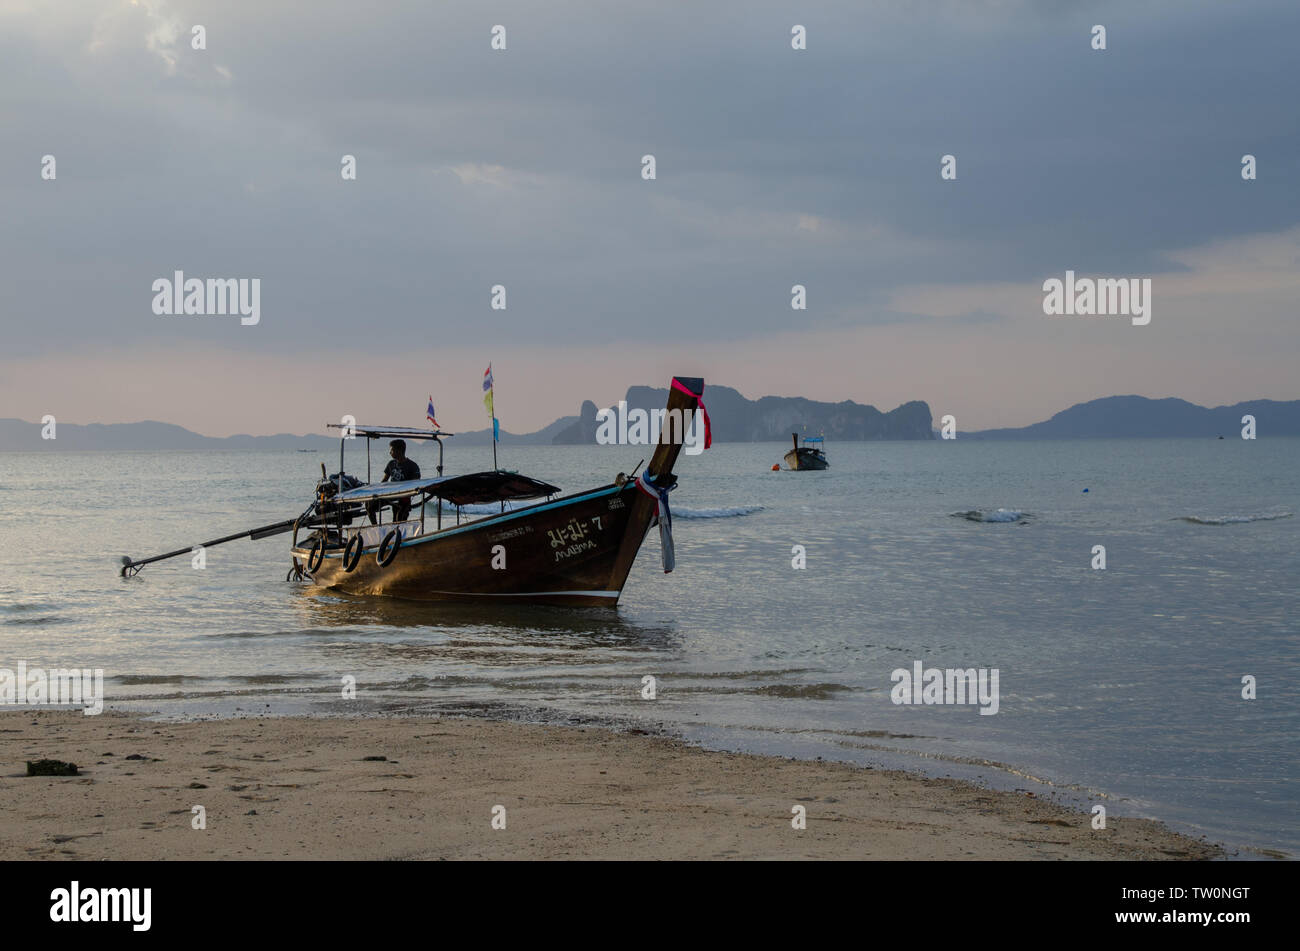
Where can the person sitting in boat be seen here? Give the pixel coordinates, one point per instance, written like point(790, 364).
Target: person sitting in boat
point(400, 469)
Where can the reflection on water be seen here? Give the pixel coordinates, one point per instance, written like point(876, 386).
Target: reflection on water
point(588, 627)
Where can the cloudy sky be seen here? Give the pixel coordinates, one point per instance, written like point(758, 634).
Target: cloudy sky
point(522, 167)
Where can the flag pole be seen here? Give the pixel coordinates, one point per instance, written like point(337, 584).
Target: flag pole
point(495, 467)
point(490, 403)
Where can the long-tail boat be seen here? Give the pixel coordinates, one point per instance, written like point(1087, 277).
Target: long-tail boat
point(808, 456)
point(564, 549)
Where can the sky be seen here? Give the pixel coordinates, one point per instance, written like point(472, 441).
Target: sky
point(522, 167)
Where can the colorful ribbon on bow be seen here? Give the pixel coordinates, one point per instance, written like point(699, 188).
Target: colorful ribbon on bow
point(699, 398)
point(646, 484)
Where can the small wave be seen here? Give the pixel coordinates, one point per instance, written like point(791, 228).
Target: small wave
point(1229, 519)
point(734, 512)
point(263, 679)
point(303, 632)
point(802, 691)
point(992, 515)
point(137, 680)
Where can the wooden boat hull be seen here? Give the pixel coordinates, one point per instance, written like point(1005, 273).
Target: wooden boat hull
point(570, 551)
point(804, 459)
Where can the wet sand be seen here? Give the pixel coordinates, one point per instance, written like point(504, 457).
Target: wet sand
point(303, 788)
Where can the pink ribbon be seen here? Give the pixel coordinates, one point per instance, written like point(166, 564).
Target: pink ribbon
point(699, 398)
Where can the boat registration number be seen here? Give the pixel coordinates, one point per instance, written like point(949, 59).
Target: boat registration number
point(574, 531)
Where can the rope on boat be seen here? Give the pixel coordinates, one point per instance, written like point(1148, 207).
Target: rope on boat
point(646, 483)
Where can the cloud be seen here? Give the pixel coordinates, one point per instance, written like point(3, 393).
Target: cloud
point(128, 25)
point(983, 351)
point(471, 173)
point(1257, 275)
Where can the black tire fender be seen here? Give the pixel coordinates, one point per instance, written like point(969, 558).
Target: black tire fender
point(317, 556)
point(352, 553)
point(383, 554)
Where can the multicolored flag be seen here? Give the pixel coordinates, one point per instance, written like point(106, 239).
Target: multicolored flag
point(430, 413)
point(492, 414)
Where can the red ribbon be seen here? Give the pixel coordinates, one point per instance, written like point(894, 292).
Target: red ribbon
point(699, 398)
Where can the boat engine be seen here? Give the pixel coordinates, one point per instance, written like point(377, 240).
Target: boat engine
point(328, 487)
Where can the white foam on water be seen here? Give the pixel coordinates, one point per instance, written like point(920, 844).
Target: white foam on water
point(1230, 519)
point(992, 515)
point(733, 512)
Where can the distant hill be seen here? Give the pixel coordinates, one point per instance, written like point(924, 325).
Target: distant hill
point(1137, 416)
point(146, 435)
point(150, 435)
point(772, 418)
point(735, 419)
point(543, 437)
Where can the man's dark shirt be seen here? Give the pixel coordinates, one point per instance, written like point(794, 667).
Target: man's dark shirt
point(401, 470)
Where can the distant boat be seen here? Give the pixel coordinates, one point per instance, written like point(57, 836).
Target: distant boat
point(306, 450)
point(807, 456)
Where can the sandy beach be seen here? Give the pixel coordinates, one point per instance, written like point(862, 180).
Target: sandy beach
point(312, 789)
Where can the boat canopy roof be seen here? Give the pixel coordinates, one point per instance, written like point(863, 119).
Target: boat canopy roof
point(400, 432)
point(470, 489)
point(815, 439)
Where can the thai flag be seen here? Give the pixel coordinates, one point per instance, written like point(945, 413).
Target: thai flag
point(487, 378)
point(430, 413)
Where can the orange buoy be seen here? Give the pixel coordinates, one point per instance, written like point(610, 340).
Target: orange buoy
point(776, 467)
